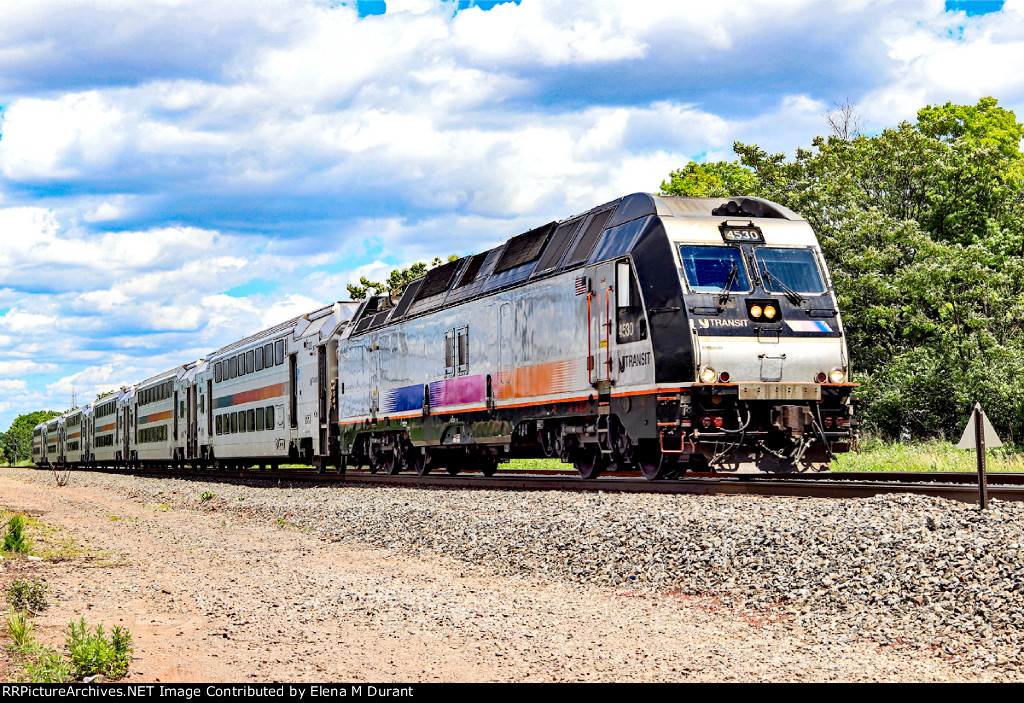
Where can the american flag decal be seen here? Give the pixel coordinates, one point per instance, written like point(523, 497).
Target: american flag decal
point(582, 285)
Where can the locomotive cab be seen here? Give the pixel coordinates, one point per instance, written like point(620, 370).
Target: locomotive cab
point(769, 369)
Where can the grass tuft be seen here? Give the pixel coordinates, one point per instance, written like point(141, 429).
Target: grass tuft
point(20, 629)
point(28, 595)
point(48, 667)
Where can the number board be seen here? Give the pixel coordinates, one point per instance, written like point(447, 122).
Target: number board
point(743, 233)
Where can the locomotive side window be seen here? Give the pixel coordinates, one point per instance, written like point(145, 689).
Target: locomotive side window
point(630, 323)
point(279, 352)
point(789, 268)
point(268, 355)
point(449, 353)
point(259, 419)
point(249, 362)
point(216, 372)
point(711, 269)
point(259, 358)
point(462, 336)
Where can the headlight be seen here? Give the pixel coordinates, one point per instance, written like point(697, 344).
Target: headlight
point(769, 312)
point(707, 374)
point(836, 376)
point(755, 311)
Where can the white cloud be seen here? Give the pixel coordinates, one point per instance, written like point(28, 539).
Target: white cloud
point(19, 367)
point(57, 138)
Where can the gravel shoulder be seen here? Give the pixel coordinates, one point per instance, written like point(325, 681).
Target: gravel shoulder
point(269, 583)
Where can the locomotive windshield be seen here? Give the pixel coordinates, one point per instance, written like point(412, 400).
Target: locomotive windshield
point(793, 269)
point(708, 269)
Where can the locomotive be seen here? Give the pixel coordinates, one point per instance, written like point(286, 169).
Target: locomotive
point(657, 334)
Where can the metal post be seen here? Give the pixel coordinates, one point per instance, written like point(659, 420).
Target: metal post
point(979, 444)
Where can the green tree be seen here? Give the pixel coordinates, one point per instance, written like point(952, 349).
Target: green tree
point(398, 279)
point(711, 180)
point(20, 434)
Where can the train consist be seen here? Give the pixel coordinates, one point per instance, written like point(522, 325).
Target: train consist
point(652, 333)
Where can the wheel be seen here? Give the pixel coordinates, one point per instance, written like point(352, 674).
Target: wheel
point(342, 463)
point(656, 465)
point(419, 461)
point(590, 462)
point(392, 460)
point(320, 464)
point(489, 465)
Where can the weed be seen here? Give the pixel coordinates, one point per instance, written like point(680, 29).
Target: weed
point(48, 667)
point(208, 495)
point(20, 628)
point(24, 594)
point(281, 522)
point(14, 540)
point(92, 653)
point(62, 477)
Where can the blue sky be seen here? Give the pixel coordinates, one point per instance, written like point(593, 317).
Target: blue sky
point(177, 174)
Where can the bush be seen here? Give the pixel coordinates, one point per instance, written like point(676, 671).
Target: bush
point(208, 495)
point(24, 594)
point(92, 653)
point(14, 540)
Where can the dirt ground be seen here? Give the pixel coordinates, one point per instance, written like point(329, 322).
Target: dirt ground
point(215, 599)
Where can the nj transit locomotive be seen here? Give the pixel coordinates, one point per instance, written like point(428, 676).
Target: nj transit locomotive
point(651, 333)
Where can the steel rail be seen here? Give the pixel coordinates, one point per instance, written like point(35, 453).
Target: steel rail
point(960, 486)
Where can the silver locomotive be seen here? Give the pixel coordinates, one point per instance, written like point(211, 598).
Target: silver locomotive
point(652, 333)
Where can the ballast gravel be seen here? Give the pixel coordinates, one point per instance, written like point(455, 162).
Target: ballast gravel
point(901, 571)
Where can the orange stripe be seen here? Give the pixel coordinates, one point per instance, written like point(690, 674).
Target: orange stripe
point(155, 417)
point(539, 379)
point(265, 393)
point(106, 428)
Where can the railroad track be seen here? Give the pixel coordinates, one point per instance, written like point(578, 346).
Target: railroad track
point(960, 486)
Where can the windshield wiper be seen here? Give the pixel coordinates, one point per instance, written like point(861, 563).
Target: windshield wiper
point(730, 281)
point(793, 296)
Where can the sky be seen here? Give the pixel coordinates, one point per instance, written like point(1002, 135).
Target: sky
point(178, 174)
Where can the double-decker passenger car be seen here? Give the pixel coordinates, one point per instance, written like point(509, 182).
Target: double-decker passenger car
point(268, 392)
point(104, 430)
